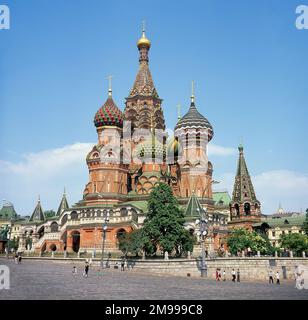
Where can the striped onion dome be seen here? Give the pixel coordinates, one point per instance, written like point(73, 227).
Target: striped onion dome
point(109, 115)
point(194, 119)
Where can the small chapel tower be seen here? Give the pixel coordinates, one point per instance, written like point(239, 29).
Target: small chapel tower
point(244, 207)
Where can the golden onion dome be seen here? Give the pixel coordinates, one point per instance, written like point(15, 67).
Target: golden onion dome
point(174, 149)
point(144, 41)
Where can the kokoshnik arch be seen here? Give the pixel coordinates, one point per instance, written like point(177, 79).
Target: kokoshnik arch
point(132, 155)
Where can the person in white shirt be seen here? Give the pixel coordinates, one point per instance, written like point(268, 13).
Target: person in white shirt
point(277, 277)
point(270, 277)
point(233, 275)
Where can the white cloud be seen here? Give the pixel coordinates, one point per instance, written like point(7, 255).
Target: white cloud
point(273, 187)
point(48, 171)
point(215, 150)
point(285, 186)
point(48, 161)
point(45, 173)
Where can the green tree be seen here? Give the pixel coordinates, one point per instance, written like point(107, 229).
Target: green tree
point(240, 239)
point(305, 224)
point(132, 242)
point(164, 224)
point(14, 243)
point(49, 213)
point(295, 242)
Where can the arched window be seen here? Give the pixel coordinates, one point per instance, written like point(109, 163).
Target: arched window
point(247, 208)
point(123, 212)
point(198, 138)
point(121, 233)
point(54, 227)
point(64, 219)
point(237, 209)
point(74, 215)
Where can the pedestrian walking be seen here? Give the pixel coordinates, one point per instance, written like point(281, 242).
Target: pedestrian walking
point(19, 259)
point(270, 277)
point(86, 270)
point(16, 258)
point(277, 277)
point(74, 271)
point(224, 275)
point(233, 275)
point(216, 275)
point(122, 264)
point(238, 279)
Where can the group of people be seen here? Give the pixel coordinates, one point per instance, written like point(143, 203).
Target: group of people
point(17, 258)
point(88, 263)
point(221, 275)
point(271, 277)
point(85, 269)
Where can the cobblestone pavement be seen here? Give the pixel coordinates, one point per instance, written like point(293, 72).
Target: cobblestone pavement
point(51, 280)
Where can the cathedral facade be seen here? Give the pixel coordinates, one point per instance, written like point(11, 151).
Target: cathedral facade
point(132, 155)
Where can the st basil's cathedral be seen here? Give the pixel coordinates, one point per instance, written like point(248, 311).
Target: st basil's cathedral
point(132, 155)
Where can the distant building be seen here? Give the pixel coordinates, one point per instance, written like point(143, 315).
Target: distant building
point(279, 224)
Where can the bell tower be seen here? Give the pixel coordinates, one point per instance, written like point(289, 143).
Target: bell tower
point(244, 207)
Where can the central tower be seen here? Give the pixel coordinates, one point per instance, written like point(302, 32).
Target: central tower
point(144, 116)
point(143, 102)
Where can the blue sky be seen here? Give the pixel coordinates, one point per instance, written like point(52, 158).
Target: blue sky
point(247, 59)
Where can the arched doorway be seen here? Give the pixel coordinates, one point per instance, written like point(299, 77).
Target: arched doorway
point(64, 239)
point(75, 241)
point(120, 234)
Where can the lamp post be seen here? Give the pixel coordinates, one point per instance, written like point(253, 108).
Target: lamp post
point(9, 238)
point(106, 220)
point(202, 233)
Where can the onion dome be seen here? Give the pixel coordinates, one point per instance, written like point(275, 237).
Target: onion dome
point(194, 119)
point(173, 148)
point(109, 114)
point(144, 41)
point(151, 148)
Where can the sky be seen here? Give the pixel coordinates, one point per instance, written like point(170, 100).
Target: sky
point(248, 60)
